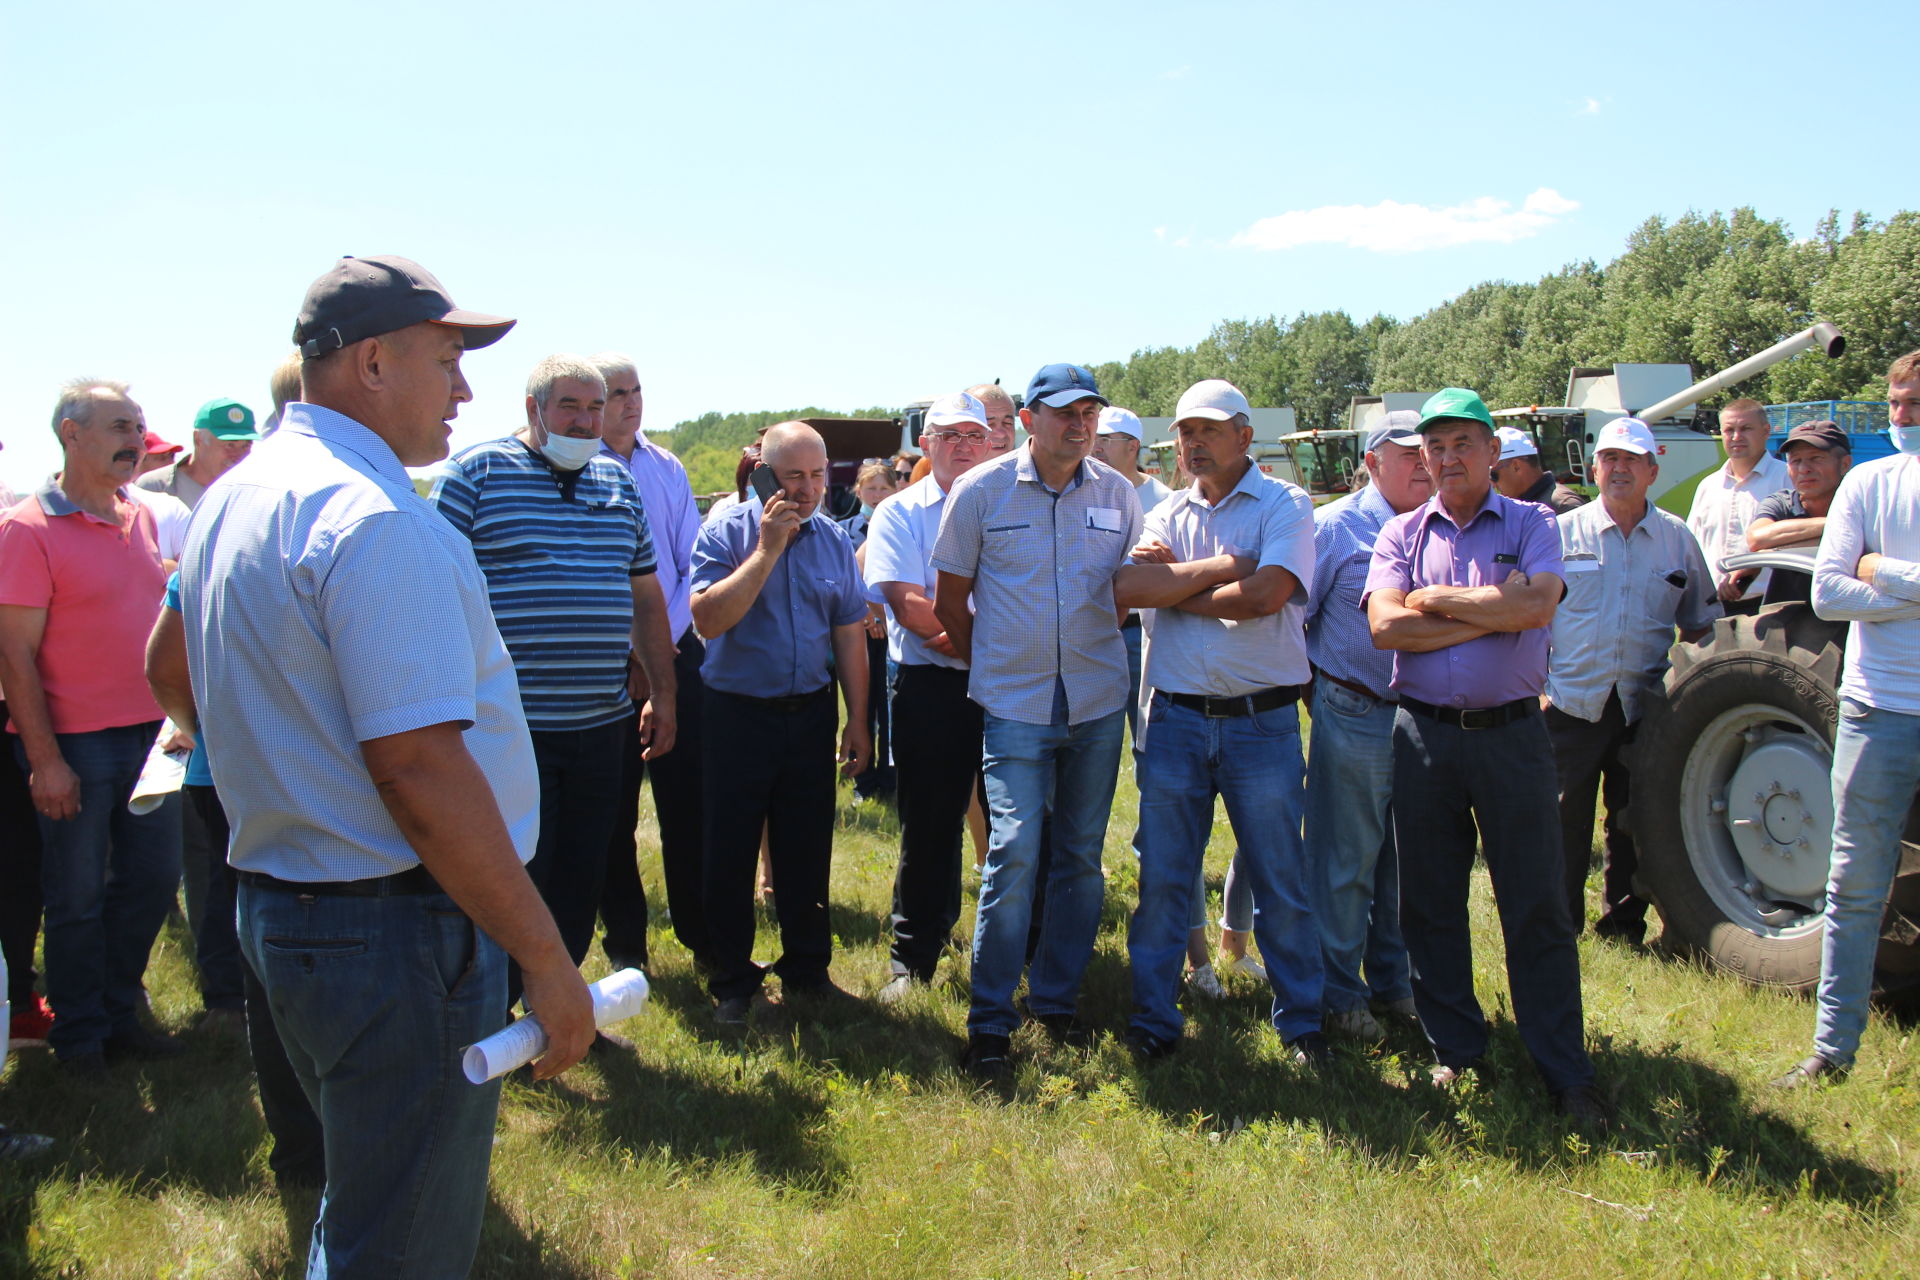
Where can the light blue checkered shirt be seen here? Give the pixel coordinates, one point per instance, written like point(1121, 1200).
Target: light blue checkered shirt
point(327, 604)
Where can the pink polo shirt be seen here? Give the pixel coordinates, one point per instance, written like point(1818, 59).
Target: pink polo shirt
point(101, 584)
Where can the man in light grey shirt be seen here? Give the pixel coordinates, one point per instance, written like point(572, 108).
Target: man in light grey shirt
point(223, 433)
point(1226, 566)
point(1034, 537)
point(1634, 573)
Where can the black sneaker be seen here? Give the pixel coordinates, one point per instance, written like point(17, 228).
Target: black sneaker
point(84, 1066)
point(1810, 1070)
point(16, 1146)
point(1065, 1029)
point(731, 1013)
point(986, 1057)
point(1311, 1051)
point(135, 1041)
point(1583, 1105)
point(820, 999)
point(1147, 1047)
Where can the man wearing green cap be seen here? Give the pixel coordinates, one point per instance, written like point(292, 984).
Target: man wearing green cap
point(223, 432)
point(1463, 590)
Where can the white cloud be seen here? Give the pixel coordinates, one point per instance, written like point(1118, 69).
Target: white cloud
point(1159, 233)
point(1392, 227)
point(1591, 108)
point(1178, 73)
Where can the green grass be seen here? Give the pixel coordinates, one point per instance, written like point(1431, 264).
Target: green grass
point(857, 1150)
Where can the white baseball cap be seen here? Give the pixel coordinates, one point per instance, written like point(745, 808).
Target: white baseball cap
point(1515, 443)
point(1630, 434)
point(955, 408)
point(1120, 422)
point(1214, 398)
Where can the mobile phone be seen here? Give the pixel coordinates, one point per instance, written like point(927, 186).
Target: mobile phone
point(763, 482)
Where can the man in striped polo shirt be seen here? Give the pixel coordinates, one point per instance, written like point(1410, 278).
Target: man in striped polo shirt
point(562, 539)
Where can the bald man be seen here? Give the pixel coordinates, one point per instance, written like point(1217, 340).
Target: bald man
point(777, 595)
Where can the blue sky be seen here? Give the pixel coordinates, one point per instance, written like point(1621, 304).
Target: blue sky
point(846, 205)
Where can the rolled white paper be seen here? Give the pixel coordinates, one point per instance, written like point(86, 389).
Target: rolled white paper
point(160, 777)
point(616, 997)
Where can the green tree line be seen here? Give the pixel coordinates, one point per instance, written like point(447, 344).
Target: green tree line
point(1707, 290)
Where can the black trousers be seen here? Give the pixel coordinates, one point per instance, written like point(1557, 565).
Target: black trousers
point(677, 789)
point(579, 793)
point(299, 1149)
point(212, 898)
point(879, 775)
point(776, 758)
point(19, 874)
point(936, 749)
point(1588, 756)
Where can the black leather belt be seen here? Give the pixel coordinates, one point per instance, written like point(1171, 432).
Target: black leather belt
point(1245, 704)
point(1355, 686)
point(412, 880)
point(787, 703)
point(1474, 717)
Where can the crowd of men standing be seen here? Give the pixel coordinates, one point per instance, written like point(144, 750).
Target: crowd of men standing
point(419, 730)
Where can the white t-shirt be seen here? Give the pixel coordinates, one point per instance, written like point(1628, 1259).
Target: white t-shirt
point(170, 517)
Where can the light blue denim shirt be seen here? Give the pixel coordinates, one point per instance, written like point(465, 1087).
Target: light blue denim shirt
point(326, 604)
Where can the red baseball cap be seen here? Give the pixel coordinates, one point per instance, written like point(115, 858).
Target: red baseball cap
point(156, 445)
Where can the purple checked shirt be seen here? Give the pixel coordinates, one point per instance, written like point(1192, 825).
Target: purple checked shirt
point(1425, 548)
point(667, 498)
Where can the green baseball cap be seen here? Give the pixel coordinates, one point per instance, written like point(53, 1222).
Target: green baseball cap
point(226, 420)
point(1455, 402)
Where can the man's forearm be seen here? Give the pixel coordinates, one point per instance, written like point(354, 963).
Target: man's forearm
point(1487, 608)
point(652, 640)
point(850, 667)
point(1163, 586)
point(950, 606)
point(1785, 533)
point(912, 610)
point(27, 705)
point(719, 607)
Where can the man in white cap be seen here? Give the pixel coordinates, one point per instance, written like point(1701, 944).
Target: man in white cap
point(1519, 474)
point(936, 727)
point(1348, 824)
point(1633, 574)
point(1226, 564)
point(1116, 442)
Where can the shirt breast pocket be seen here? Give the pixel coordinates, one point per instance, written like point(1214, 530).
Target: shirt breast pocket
point(1662, 591)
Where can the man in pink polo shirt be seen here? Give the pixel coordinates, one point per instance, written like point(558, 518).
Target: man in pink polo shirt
point(80, 585)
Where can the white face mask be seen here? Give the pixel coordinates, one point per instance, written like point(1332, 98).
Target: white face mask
point(1905, 439)
point(569, 453)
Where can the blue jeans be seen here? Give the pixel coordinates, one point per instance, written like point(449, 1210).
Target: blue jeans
point(1356, 882)
point(1253, 763)
point(1029, 769)
point(1454, 788)
point(108, 879)
point(375, 999)
point(1876, 764)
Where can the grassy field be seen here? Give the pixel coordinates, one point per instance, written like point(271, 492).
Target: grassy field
point(857, 1149)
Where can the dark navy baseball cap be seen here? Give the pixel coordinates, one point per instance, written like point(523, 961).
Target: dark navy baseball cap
point(365, 297)
point(1059, 384)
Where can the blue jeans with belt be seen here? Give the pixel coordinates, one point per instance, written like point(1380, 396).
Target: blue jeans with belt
point(1454, 788)
point(108, 879)
point(1029, 770)
point(1253, 762)
point(375, 999)
point(1356, 880)
point(1876, 765)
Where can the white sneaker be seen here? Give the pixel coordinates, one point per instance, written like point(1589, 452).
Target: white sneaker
point(1249, 966)
point(1205, 981)
point(1356, 1024)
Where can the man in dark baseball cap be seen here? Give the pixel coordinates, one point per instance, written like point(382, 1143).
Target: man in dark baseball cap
point(366, 297)
point(1818, 454)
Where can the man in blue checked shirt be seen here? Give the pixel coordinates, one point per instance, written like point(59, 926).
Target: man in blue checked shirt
point(778, 596)
point(560, 534)
point(1356, 880)
point(364, 726)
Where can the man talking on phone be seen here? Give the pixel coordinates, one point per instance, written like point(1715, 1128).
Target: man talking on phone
point(776, 595)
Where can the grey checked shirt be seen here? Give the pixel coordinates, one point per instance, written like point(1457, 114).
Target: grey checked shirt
point(1042, 567)
point(1624, 597)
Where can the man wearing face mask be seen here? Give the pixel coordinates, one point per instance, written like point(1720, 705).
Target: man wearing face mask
point(562, 539)
point(1868, 573)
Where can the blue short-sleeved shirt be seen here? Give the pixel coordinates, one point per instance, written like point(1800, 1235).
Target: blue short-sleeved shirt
point(199, 772)
point(559, 551)
point(327, 604)
point(1338, 638)
point(782, 645)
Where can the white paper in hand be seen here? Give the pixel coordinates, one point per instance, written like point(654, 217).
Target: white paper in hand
point(162, 775)
point(616, 997)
